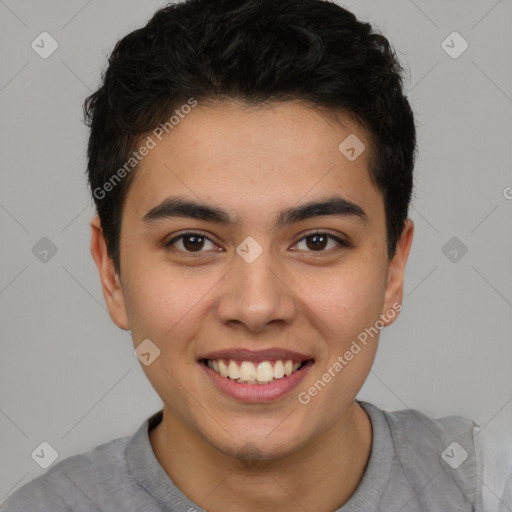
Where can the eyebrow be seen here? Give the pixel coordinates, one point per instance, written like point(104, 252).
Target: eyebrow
point(180, 207)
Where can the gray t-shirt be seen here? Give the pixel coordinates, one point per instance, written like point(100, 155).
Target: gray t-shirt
point(417, 463)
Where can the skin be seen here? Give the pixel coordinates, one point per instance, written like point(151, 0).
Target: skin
point(226, 455)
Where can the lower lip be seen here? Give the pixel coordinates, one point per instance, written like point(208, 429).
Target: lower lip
point(258, 392)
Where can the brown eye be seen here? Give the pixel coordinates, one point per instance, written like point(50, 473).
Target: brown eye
point(193, 242)
point(190, 242)
point(318, 242)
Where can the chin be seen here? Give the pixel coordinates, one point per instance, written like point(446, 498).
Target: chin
point(271, 440)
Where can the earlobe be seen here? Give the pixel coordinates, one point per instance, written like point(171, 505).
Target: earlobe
point(110, 282)
point(396, 270)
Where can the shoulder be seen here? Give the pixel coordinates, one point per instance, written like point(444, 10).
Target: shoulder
point(454, 453)
point(448, 439)
point(494, 469)
point(436, 456)
point(446, 442)
point(73, 483)
point(408, 423)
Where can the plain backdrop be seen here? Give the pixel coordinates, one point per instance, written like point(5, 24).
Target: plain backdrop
point(68, 375)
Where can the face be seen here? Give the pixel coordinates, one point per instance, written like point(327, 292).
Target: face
point(255, 277)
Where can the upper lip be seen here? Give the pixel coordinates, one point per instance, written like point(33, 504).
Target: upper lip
point(257, 356)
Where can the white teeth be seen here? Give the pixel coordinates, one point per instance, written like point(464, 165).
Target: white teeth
point(278, 370)
point(249, 373)
point(233, 370)
point(223, 368)
point(264, 372)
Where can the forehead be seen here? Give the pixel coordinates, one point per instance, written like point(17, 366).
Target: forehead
point(256, 159)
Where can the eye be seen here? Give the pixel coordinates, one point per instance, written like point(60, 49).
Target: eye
point(194, 242)
point(319, 241)
point(190, 242)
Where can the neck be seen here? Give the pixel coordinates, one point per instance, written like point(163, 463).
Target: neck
point(321, 477)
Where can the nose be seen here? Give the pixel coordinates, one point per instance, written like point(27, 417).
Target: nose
point(257, 294)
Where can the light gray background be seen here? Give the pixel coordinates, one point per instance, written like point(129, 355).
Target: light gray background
point(68, 374)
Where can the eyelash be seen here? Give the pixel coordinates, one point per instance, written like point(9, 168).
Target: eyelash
point(342, 243)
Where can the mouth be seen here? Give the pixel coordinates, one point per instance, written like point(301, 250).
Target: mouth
point(248, 372)
point(256, 376)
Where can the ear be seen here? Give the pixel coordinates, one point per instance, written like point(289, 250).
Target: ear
point(112, 290)
point(395, 281)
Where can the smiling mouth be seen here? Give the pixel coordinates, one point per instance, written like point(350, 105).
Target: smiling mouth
point(262, 373)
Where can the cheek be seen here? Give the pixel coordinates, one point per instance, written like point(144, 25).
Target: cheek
point(163, 304)
point(347, 300)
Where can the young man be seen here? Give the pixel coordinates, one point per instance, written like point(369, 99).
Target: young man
point(251, 164)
